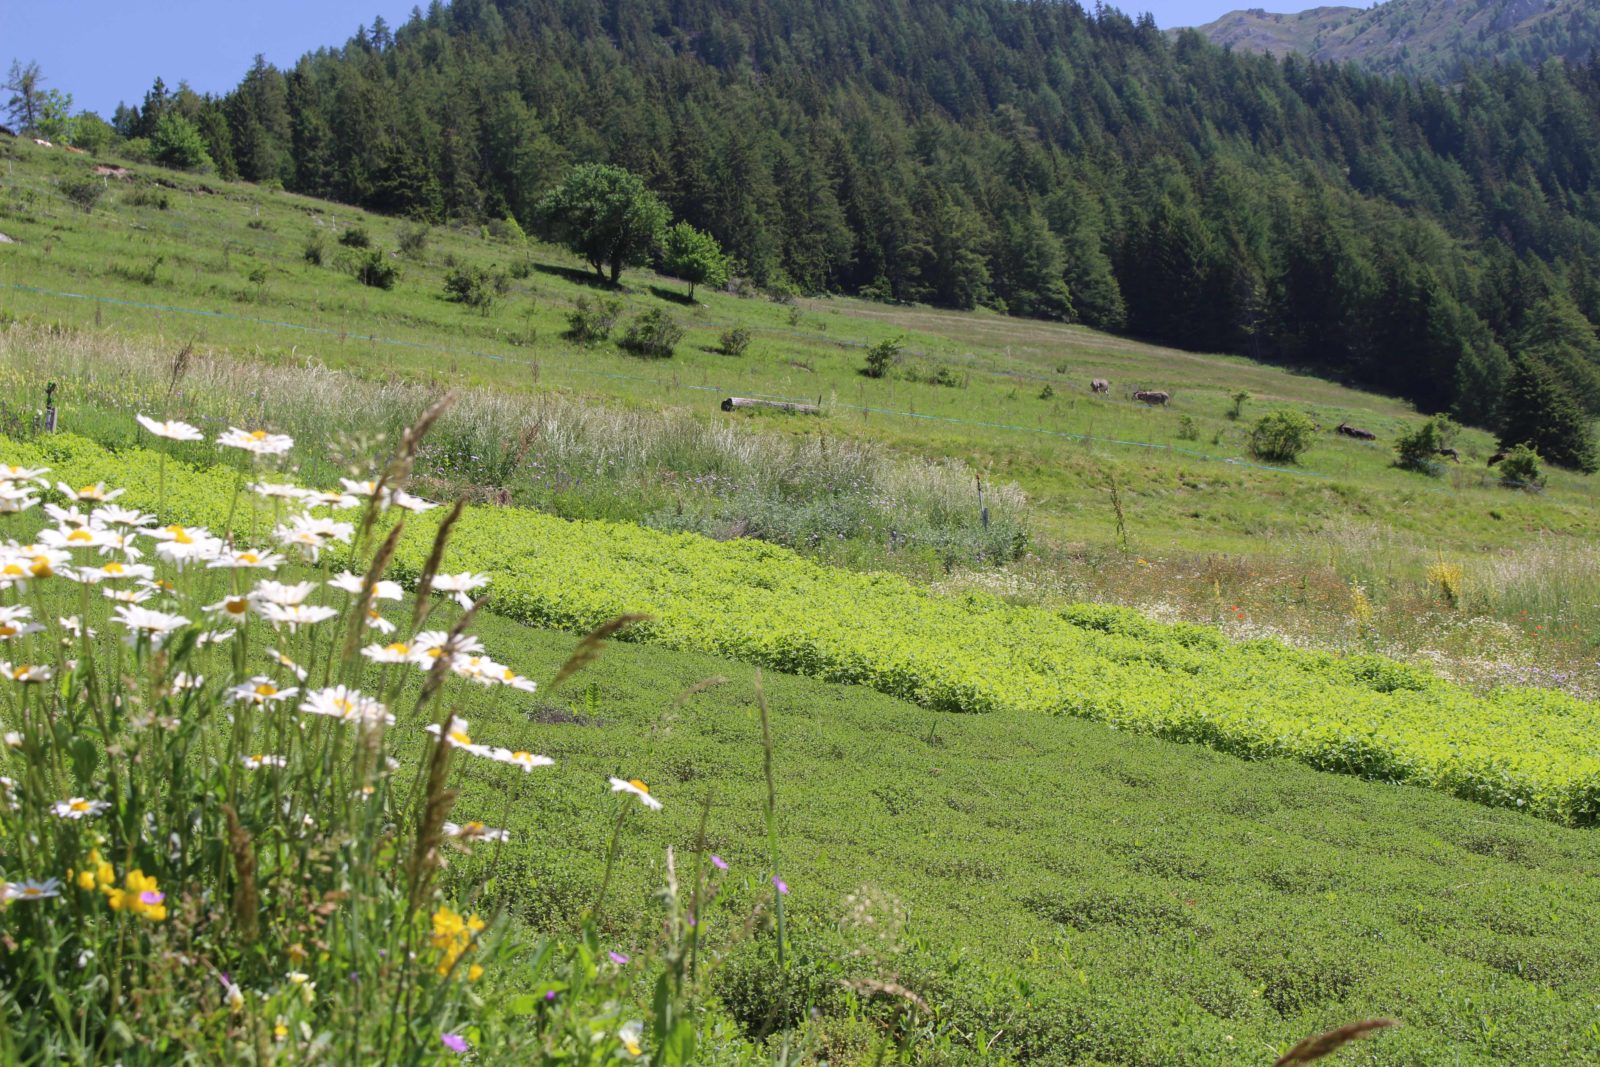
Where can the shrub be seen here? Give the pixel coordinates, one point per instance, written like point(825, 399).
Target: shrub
point(506, 229)
point(142, 196)
point(1047, 392)
point(314, 250)
point(882, 356)
point(1281, 436)
point(1521, 469)
point(177, 143)
point(84, 192)
point(1419, 449)
point(1187, 430)
point(653, 333)
point(374, 269)
point(734, 342)
point(413, 240)
point(1236, 410)
point(590, 321)
point(471, 286)
point(356, 237)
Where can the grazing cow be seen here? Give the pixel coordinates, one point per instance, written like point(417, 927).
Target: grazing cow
point(1351, 431)
point(1451, 454)
point(1498, 456)
point(42, 143)
point(1152, 396)
point(1099, 385)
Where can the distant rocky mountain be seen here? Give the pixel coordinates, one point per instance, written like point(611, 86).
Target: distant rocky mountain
point(1425, 38)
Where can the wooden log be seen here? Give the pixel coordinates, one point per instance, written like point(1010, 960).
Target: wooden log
point(733, 402)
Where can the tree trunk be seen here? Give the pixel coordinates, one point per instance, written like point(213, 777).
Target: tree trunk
point(616, 270)
point(691, 291)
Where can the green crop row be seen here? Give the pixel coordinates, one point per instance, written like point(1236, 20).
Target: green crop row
point(1525, 748)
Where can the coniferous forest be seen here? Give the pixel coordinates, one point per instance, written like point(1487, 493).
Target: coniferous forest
point(1436, 242)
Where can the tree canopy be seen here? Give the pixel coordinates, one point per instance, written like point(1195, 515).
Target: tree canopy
point(606, 215)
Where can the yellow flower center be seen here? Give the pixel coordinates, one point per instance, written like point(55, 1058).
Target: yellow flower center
point(266, 689)
point(236, 605)
point(249, 557)
point(80, 535)
point(41, 567)
point(80, 805)
point(473, 828)
point(640, 786)
point(398, 649)
point(14, 571)
point(259, 435)
point(19, 673)
point(182, 537)
point(90, 491)
point(460, 737)
point(343, 705)
point(7, 630)
point(114, 568)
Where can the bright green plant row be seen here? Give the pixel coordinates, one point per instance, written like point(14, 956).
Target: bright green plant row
point(1525, 748)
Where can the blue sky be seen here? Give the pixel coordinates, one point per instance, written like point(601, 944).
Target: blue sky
point(106, 51)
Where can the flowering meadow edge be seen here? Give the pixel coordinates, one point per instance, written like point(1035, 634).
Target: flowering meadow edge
point(1523, 748)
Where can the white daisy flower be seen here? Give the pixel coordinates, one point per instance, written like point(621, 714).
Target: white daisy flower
point(509, 677)
point(457, 737)
point(31, 890)
point(376, 621)
point(66, 516)
point(120, 540)
point(13, 739)
point(26, 673)
point(526, 760)
point(155, 625)
point(78, 808)
point(327, 498)
point(271, 592)
point(277, 490)
point(184, 680)
point(295, 616)
point(405, 501)
point(10, 629)
point(112, 571)
point(284, 661)
point(475, 831)
point(182, 544)
point(345, 704)
point(10, 474)
point(96, 493)
point(352, 583)
point(364, 490)
point(213, 637)
point(76, 537)
point(117, 515)
point(638, 789)
point(171, 430)
point(126, 596)
point(74, 626)
point(398, 652)
point(238, 559)
point(260, 691)
point(256, 442)
point(429, 645)
point(230, 607)
point(255, 763)
point(14, 498)
point(460, 584)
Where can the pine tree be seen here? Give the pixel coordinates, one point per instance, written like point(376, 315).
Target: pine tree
point(1540, 413)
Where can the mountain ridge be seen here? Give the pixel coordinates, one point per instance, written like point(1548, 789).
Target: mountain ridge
point(1435, 39)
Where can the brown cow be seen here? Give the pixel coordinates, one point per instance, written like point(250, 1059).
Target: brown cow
point(1152, 396)
point(1498, 456)
point(1351, 431)
point(1451, 454)
point(1099, 385)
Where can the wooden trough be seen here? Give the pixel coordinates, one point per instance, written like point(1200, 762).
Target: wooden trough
point(734, 402)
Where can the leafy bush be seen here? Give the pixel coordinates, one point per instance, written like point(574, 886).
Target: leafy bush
point(1281, 436)
point(1047, 392)
point(176, 143)
point(355, 237)
point(1419, 450)
point(413, 240)
point(590, 320)
point(83, 192)
point(1187, 430)
point(315, 249)
point(882, 356)
point(471, 286)
point(1521, 469)
point(146, 196)
point(652, 333)
point(374, 269)
point(734, 342)
point(1236, 409)
point(506, 229)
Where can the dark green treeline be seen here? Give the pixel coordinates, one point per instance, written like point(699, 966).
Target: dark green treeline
point(1032, 157)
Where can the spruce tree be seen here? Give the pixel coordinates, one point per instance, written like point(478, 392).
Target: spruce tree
point(1540, 413)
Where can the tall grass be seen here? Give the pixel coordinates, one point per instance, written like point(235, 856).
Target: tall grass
point(668, 469)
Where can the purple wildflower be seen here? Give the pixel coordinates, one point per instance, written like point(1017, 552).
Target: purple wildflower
point(780, 885)
point(151, 897)
point(454, 1042)
point(618, 958)
point(719, 863)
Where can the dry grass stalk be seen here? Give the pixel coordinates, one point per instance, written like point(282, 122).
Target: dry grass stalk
point(1315, 1048)
point(697, 688)
point(380, 563)
point(589, 648)
point(246, 897)
point(872, 987)
point(431, 567)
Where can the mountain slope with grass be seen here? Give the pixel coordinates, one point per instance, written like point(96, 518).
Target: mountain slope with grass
point(1437, 39)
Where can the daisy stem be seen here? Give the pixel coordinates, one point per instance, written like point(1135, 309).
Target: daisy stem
point(611, 858)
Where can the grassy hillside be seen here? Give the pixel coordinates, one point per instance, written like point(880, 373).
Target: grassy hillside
point(1427, 38)
point(1204, 530)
